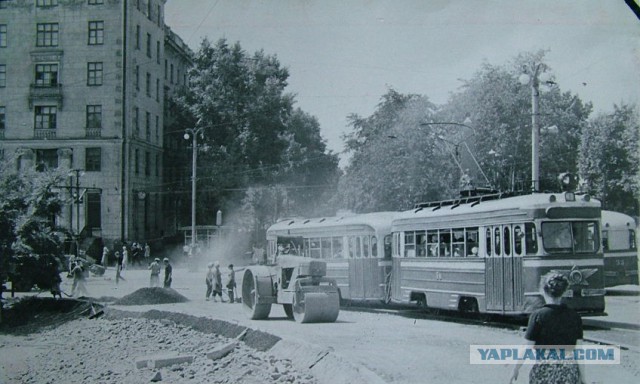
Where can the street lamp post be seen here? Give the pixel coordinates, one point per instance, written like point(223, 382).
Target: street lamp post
point(77, 173)
point(532, 76)
point(194, 132)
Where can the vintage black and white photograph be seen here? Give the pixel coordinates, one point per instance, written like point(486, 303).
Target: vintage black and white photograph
point(319, 191)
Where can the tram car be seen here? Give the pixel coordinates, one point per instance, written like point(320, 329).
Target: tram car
point(620, 249)
point(488, 253)
point(356, 248)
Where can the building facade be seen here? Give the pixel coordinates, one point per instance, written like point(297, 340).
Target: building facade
point(83, 87)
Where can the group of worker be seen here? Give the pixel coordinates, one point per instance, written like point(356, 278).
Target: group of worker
point(214, 282)
point(155, 268)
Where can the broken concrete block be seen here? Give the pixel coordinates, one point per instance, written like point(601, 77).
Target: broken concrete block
point(222, 351)
point(162, 361)
point(157, 377)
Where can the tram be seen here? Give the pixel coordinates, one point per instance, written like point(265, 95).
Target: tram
point(620, 249)
point(356, 247)
point(488, 253)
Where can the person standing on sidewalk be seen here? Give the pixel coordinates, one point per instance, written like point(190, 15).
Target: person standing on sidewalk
point(231, 284)
point(154, 280)
point(217, 290)
point(168, 272)
point(105, 257)
point(209, 281)
point(118, 267)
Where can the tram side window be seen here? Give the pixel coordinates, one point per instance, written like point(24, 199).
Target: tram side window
point(388, 244)
point(531, 238)
point(409, 244)
point(326, 247)
point(374, 246)
point(497, 241)
point(432, 243)
point(352, 247)
point(518, 237)
point(314, 248)
point(421, 244)
point(471, 242)
point(458, 242)
point(365, 246)
point(337, 247)
point(507, 241)
point(358, 246)
point(488, 242)
point(445, 243)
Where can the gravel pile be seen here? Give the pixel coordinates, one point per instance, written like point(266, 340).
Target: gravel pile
point(155, 295)
point(105, 350)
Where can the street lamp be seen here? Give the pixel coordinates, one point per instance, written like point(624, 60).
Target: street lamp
point(76, 195)
point(532, 76)
point(193, 133)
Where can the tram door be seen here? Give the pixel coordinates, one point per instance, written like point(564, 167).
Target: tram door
point(364, 282)
point(503, 279)
point(356, 268)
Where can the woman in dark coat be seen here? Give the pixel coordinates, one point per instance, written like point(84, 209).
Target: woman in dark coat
point(554, 324)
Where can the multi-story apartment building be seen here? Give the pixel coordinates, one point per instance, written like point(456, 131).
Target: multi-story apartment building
point(83, 87)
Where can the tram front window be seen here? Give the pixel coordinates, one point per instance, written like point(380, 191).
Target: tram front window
point(565, 236)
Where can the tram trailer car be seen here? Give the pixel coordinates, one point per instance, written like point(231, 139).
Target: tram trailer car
point(620, 249)
point(356, 248)
point(488, 254)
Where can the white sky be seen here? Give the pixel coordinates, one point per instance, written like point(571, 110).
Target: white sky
point(342, 55)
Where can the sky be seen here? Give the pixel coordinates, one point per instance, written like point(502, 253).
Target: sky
point(343, 55)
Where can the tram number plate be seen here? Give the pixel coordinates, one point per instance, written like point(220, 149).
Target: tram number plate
point(593, 292)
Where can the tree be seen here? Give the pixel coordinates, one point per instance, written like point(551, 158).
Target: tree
point(609, 159)
point(395, 161)
point(253, 138)
point(499, 110)
point(30, 244)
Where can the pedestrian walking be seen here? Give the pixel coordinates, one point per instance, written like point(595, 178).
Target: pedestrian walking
point(154, 280)
point(554, 324)
point(125, 257)
point(78, 286)
point(231, 283)
point(147, 252)
point(168, 272)
point(209, 280)
point(105, 257)
point(217, 282)
point(118, 267)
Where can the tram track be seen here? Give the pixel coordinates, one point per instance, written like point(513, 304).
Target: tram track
point(614, 330)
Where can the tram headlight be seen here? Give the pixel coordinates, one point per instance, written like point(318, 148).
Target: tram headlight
point(569, 196)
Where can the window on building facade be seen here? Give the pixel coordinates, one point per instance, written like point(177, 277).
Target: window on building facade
point(3, 117)
point(157, 165)
point(136, 121)
point(159, 16)
point(46, 75)
point(137, 161)
point(3, 35)
point(149, 6)
point(96, 32)
point(4, 4)
point(3, 75)
point(96, 2)
point(166, 65)
point(94, 116)
point(138, 37)
point(46, 159)
point(171, 75)
point(45, 117)
point(137, 77)
point(94, 73)
point(148, 45)
point(147, 126)
point(147, 163)
point(157, 129)
point(157, 89)
point(148, 84)
point(93, 159)
point(158, 52)
point(46, 3)
point(47, 35)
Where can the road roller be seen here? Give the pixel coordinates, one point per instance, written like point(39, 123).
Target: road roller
point(298, 283)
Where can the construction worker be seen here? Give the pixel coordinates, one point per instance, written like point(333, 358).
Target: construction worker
point(154, 280)
point(231, 284)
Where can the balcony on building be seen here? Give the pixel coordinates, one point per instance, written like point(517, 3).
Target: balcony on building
point(45, 93)
point(44, 133)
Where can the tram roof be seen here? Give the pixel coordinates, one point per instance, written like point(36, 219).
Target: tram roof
point(478, 208)
point(379, 221)
point(617, 219)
